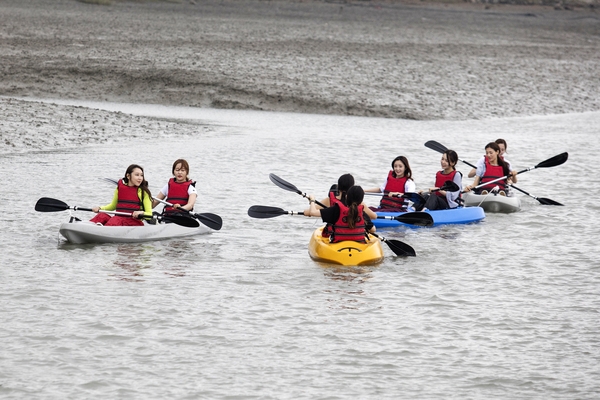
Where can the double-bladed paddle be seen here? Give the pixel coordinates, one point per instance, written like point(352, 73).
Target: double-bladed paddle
point(47, 204)
point(399, 248)
point(411, 218)
point(551, 162)
point(213, 221)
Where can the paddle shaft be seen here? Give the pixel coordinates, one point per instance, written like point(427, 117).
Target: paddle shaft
point(123, 214)
point(542, 200)
point(166, 203)
point(501, 178)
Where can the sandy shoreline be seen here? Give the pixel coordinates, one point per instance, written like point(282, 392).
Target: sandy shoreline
point(414, 61)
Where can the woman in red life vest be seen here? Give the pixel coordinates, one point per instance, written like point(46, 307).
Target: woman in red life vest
point(337, 193)
point(493, 168)
point(348, 222)
point(131, 196)
point(502, 145)
point(440, 199)
point(398, 182)
point(180, 190)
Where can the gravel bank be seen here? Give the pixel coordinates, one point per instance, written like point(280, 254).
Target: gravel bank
point(398, 60)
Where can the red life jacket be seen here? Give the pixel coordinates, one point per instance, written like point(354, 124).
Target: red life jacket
point(128, 199)
point(341, 230)
point(492, 172)
point(440, 179)
point(178, 193)
point(332, 200)
point(394, 185)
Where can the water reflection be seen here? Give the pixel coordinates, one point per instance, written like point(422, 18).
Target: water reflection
point(177, 252)
point(356, 274)
point(132, 260)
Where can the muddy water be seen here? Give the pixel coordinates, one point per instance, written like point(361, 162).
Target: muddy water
point(507, 308)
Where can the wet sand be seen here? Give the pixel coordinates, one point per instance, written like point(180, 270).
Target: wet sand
point(415, 60)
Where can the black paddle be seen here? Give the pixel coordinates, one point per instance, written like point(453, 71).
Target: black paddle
point(270, 212)
point(551, 162)
point(412, 218)
point(288, 186)
point(398, 247)
point(448, 186)
point(440, 148)
point(47, 204)
point(213, 221)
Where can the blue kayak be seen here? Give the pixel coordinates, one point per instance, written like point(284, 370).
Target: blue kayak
point(460, 215)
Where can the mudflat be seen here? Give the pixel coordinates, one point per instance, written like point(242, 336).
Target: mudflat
point(414, 60)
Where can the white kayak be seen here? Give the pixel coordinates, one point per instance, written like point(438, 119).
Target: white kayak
point(79, 232)
point(492, 202)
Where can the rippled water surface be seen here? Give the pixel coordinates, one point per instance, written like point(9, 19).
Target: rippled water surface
point(507, 308)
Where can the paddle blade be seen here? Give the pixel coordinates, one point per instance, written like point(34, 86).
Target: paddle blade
point(415, 218)
point(450, 186)
point(265, 212)
point(110, 180)
point(46, 204)
point(400, 248)
point(433, 145)
point(283, 184)
point(181, 220)
point(213, 221)
point(548, 202)
point(554, 161)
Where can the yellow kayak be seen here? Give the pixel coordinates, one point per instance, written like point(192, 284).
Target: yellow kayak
point(344, 253)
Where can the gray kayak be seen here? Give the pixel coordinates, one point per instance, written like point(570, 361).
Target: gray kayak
point(79, 232)
point(492, 202)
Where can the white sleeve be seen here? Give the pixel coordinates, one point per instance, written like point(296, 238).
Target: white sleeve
point(382, 187)
point(480, 168)
point(165, 190)
point(410, 186)
point(192, 190)
point(452, 196)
